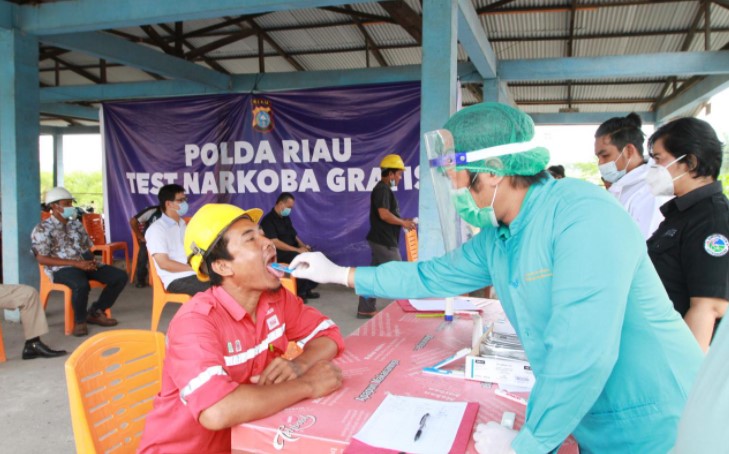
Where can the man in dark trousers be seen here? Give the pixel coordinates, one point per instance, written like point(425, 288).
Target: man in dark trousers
point(385, 224)
point(280, 230)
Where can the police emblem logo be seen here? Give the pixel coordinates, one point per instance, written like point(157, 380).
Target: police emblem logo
point(716, 245)
point(262, 115)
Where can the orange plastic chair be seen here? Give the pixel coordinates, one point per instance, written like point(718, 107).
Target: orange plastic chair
point(411, 245)
point(292, 350)
point(47, 286)
point(94, 225)
point(2, 346)
point(160, 296)
point(112, 379)
point(289, 283)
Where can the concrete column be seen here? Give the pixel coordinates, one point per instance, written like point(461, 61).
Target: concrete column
point(57, 159)
point(438, 103)
point(19, 130)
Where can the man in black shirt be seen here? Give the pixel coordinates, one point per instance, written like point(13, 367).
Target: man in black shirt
point(690, 249)
point(278, 227)
point(385, 224)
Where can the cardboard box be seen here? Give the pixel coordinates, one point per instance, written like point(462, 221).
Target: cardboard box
point(509, 372)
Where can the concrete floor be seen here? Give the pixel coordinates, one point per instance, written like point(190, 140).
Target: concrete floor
point(34, 413)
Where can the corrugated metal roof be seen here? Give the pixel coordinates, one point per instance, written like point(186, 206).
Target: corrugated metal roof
point(329, 39)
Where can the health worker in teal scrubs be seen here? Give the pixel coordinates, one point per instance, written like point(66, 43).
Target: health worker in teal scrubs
point(613, 360)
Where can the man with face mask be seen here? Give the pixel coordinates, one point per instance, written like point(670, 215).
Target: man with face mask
point(613, 361)
point(62, 246)
point(165, 243)
point(690, 249)
point(385, 224)
point(619, 151)
point(277, 226)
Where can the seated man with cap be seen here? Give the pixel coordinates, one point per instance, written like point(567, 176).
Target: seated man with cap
point(223, 363)
point(62, 246)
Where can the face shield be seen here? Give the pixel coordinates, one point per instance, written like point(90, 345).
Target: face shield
point(453, 173)
point(440, 149)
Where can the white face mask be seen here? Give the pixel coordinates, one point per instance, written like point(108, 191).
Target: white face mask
point(609, 171)
point(660, 180)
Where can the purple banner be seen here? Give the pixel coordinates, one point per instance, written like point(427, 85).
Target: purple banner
point(322, 145)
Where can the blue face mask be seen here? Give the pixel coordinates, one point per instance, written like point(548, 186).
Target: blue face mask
point(69, 213)
point(286, 212)
point(183, 209)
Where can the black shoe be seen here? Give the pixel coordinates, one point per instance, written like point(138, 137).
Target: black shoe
point(140, 284)
point(366, 315)
point(311, 295)
point(38, 348)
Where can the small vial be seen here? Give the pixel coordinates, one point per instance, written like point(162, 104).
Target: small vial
point(448, 315)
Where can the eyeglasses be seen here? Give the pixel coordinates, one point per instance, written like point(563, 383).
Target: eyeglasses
point(184, 199)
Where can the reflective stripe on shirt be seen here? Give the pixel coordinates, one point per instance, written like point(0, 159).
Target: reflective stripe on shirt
point(326, 324)
point(200, 380)
point(254, 351)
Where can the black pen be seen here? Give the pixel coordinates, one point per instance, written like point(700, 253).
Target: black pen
point(422, 425)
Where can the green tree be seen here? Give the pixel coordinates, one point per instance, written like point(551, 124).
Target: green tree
point(86, 187)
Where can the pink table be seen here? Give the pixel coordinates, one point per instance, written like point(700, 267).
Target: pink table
point(386, 355)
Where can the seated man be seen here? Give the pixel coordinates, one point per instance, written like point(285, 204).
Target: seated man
point(223, 364)
point(63, 247)
point(26, 299)
point(140, 222)
point(278, 227)
point(164, 243)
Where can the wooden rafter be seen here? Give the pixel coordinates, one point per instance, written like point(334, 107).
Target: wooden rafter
point(80, 71)
point(233, 37)
point(566, 7)
point(684, 47)
point(275, 45)
point(406, 18)
point(370, 45)
point(212, 63)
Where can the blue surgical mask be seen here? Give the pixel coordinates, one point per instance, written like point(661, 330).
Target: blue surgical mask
point(609, 171)
point(286, 212)
point(470, 212)
point(69, 213)
point(183, 209)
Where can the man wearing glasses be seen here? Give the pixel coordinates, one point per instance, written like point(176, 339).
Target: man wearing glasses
point(165, 243)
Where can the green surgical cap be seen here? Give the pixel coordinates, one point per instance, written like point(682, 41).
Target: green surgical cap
point(491, 124)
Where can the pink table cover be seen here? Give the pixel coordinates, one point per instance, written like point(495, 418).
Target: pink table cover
point(385, 355)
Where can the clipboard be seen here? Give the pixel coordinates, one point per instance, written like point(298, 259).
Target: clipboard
point(463, 436)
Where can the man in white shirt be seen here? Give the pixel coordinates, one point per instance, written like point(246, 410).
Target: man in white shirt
point(165, 243)
point(619, 151)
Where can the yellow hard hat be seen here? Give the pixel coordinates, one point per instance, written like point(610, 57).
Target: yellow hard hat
point(207, 227)
point(392, 161)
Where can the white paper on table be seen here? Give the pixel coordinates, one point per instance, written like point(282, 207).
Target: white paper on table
point(459, 304)
point(396, 421)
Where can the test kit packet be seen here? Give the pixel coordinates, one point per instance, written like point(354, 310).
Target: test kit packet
point(508, 372)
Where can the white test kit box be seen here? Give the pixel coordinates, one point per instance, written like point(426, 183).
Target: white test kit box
point(503, 371)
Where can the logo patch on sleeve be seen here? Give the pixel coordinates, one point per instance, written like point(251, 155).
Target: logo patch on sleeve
point(716, 245)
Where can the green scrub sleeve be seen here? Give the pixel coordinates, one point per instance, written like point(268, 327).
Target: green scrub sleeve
point(458, 272)
point(596, 252)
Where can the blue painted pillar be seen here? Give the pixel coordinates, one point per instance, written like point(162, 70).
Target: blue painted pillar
point(57, 159)
point(19, 130)
point(494, 90)
point(440, 30)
